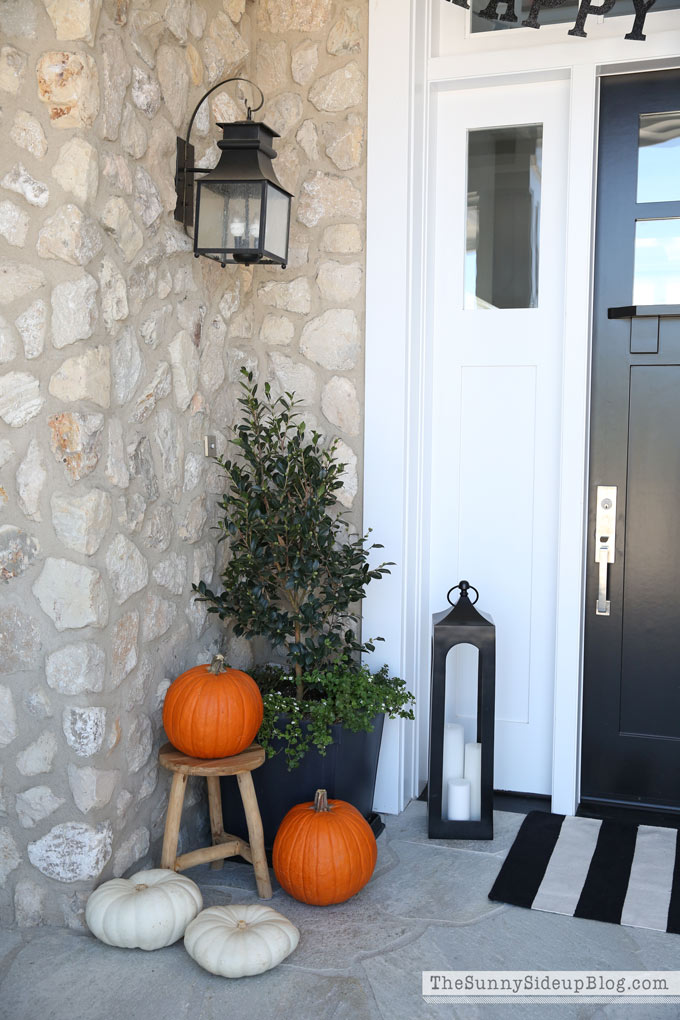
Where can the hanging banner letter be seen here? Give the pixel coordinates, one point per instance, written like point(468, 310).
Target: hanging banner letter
point(584, 10)
point(490, 12)
point(537, 6)
point(641, 9)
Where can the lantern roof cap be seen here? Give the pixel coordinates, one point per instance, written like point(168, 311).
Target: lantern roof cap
point(463, 611)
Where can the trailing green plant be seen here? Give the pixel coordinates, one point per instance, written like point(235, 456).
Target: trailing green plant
point(342, 692)
point(295, 575)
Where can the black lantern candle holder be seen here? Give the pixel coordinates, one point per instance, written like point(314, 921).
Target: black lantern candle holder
point(462, 625)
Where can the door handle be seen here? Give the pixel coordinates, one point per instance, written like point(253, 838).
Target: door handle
point(605, 543)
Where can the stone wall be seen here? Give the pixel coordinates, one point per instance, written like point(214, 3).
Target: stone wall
point(118, 353)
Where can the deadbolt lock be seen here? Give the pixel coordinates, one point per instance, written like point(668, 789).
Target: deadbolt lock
point(605, 543)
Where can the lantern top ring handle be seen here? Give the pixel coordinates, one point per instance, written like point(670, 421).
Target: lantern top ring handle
point(227, 81)
point(464, 587)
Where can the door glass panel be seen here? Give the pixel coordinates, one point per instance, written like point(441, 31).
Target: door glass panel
point(659, 157)
point(656, 278)
point(503, 217)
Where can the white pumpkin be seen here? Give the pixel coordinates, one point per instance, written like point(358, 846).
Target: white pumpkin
point(238, 941)
point(148, 911)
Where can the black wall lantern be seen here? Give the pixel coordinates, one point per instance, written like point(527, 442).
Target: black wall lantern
point(242, 213)
point(462, 624)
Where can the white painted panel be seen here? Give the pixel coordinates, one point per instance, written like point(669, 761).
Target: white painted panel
point(496, 525)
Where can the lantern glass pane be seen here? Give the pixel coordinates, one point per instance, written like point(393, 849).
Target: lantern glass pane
point(229, 216)
point(276, 231)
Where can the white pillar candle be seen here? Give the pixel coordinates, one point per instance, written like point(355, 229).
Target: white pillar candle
point(454, 752)
point(458, 800)
point(473, 772)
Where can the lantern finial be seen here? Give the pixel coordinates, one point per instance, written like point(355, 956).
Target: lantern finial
point(463, 587)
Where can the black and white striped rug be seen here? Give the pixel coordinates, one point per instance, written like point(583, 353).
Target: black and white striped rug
point(604, 870)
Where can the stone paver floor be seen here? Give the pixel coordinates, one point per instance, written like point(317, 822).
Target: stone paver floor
point(425, 908)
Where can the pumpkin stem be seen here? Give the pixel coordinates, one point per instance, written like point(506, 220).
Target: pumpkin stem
point(217, 665)
point(242, 924)
point(141, 886)
point(321, 801)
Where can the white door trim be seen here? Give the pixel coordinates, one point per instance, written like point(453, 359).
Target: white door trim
point(401, 74)
point(393, 367)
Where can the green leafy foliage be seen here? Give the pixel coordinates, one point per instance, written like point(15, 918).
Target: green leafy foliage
point(296, 575)
point(342, 693)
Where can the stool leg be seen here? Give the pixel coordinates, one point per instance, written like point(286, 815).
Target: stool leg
point(255, 834)
point(216, 821)
point(172, 821)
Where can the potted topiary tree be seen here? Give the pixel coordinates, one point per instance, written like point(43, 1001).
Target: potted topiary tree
point(295, 575)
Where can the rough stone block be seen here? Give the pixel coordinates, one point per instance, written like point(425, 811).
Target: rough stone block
point(130, 851)
point(32, 326)
point(18, 551)
point(76, 669)
point(127, 365)
point(30, 479)
point(304, 61)
point(69, 84)
point(115, 78)
point(340, 405)
point(27, 133)
point(38, 756)
point(12, 69)
point(18, 279)
point(118, 221)
point(71, 236)
point(14, 223)
point(339, 90)
point(113, 294)
point(74, 310)
point(291, 297)
point(74, 19)
point(139, 743)
point(332, 339)
point(77, 169)
point(20, 398)
point(124, 647)
point(91, 788)
point(84, 377)
point(184, 360)
point(293, 15)
point(22, 183)
point(84, 729)
point(71, 595)
point(35, 804)
point(20, 644)
point(8, 717)
point(324, 195)
point(72, 851)
point(127, 568)
point(10, 858)
point(76, 442)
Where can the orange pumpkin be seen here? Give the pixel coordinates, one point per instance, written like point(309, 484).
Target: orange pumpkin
point(324, 851)
point(212, 711)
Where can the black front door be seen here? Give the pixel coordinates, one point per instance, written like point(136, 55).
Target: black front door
point(631, 710)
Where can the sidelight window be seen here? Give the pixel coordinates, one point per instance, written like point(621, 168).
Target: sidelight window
point(503, 217)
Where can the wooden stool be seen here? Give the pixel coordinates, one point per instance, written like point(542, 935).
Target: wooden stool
point(224, 845)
